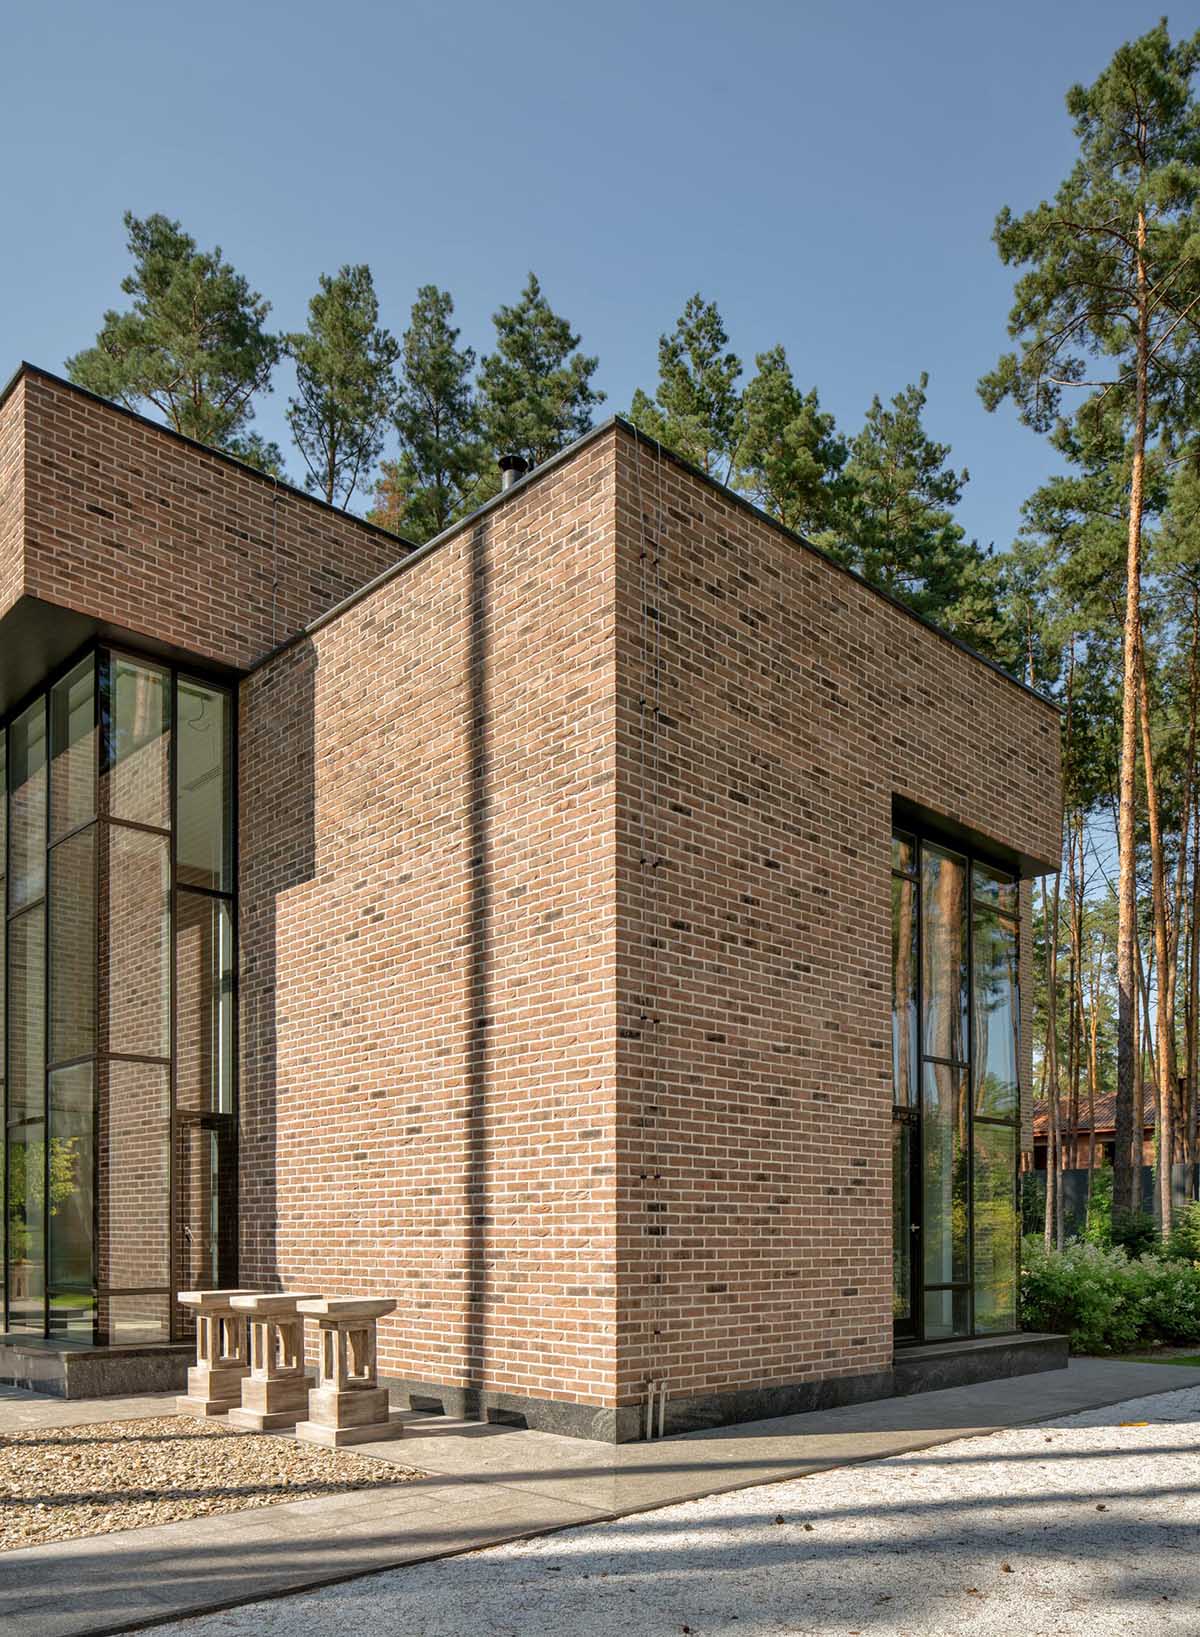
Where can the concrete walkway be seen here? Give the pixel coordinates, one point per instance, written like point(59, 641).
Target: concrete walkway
point(484, 1485)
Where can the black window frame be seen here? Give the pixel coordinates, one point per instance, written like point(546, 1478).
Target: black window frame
point(224, 1122)
point(919, 836)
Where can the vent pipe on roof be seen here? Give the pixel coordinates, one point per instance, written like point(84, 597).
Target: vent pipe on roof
point(511, 468)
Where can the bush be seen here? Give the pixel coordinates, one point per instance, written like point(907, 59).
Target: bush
point(1083, 1290)
point(1168, 1299)
point(1135, 1232)
point(1107, 1302)
point(1184, 1243)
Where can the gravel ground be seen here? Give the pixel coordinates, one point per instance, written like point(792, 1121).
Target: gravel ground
point(1086, 1524)
point(62, 1482)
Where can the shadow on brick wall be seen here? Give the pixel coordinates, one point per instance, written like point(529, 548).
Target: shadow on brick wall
point(278, 854)
point(480, 1024)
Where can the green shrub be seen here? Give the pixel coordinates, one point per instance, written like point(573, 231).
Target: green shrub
point(1106, 1302)
point(1085, 1291)
point(1184, 1243)
point(1134, 1232)
point(1099, 1217)
point(1167, 1294)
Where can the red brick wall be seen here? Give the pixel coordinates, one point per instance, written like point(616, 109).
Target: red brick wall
point(12, 495)
point(568, 887)
point(787, 705)
point(127, 523)
point(427, 959)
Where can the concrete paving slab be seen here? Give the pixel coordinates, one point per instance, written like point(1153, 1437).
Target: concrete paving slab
point(483, 1485)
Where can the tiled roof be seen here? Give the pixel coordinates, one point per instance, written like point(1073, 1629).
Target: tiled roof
point(1106, 1112)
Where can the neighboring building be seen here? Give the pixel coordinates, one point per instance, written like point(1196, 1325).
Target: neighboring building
point(510, 926)
point(1075, 1139)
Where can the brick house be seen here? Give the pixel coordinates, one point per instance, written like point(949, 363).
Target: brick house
point(511, 925)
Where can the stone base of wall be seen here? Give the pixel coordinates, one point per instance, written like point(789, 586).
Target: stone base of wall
point(915, 1370)
point(94, 1372)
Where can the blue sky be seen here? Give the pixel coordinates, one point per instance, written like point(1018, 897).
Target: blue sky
point(827, 172)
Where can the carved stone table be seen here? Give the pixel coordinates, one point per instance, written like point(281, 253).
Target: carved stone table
point(215, 1380)
point(275, 1393)
point(347, 1406)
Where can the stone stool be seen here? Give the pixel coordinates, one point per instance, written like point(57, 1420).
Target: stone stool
point(215, 1380)
point(347, 1406)
point(275, 1393)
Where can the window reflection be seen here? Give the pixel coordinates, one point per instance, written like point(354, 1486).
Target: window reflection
point(944, 953)
point(27, 818)
point(204, 807)
point(996, 1020)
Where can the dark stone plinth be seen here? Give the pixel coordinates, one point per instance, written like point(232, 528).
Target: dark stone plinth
point(75, 1370)
point(914, 1370)
point(962, 1363)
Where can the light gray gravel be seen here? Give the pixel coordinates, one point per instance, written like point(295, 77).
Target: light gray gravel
point(1089, 1524)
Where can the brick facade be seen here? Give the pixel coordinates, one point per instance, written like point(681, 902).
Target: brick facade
point(772, 708)
point(564, 861)
point(428, 975)
point(130, 525)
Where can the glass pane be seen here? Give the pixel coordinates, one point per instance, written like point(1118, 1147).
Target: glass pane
point(203, 842)
point(904, 991)
point(945, 1175)
point(137, 905)
point(997, 889)
point(134, 1137)
point(27, 783)
point(904, 851)
point(944, 952)
point(996, 1226)
point(947, 1314)
point(27, 1015)
point(73, 947)
point(26, 1226)
point(901, 1221)
point(204, 1003)
point(137, 735)
point(71, 1197)
point(73, 750)
point(997, 1014)
point(206, 1198)
point(124, 1321)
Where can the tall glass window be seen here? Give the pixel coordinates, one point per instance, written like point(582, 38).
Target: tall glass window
point(118, 1028)
point(956, 1103)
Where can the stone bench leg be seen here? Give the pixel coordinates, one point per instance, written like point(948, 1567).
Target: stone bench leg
point(347, 1406)
point(275, 1393)
point(214, 1382)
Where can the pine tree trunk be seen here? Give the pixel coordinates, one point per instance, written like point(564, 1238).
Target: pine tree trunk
point(1053, 1225)
point(1126, 837)
point(1164, 1011)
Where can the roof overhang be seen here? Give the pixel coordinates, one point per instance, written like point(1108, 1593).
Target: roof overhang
point(37, 638)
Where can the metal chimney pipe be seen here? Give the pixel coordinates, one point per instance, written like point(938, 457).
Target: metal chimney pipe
point(511, 468)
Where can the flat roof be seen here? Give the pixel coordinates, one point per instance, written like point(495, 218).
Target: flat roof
point(411, 554)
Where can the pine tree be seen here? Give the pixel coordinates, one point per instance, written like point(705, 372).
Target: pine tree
point(444, 468)
point(902, 534)
point(194, 344)
point(536, 394)
point(1108, 308)
point(791, 457)
point(696, 409)
point(346, 385)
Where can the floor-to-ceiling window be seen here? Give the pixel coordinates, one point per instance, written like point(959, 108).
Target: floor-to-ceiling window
point(955, 1057)
point(117, 1033)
